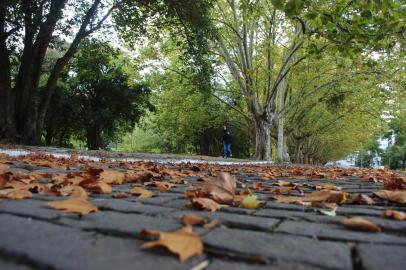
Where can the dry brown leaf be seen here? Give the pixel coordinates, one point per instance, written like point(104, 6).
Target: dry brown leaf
point(398, 215)
point(76, 203)
point(212, 224)
point(3, 168)
point(15, 194)
point(205, 203)
point(183, 242)
point(112, 177)
point(73, 205)
point(361, 199)
point(96, 186)
point(398, 196)
point(221, 190)
point(120, 195)
point(256, 185)
point(330, 196)
point(250, 202)
point(141, 192)
point(360, 224)
point(193, 220)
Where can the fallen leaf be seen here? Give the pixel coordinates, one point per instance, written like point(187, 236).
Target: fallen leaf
point(212, 224)
point(183, 242)
point(193, 220)
point(398, 196)
point(360, 224)
point(15, 194)
point(142, 192)
point(205, 203)
point(361, 199)
point(112, 177)
point(97, 187)
point(120, 195)
point(398, 215)
point(256, 185)
point(250, 202)
point(331, 196)
point(221, 190)
point(331, 212)
point(3, 168)
point(77, 203)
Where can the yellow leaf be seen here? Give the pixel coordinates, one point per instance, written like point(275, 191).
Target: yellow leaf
point(73, 205)
point(250, 202)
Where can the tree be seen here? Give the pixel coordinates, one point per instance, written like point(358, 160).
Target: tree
point(28, 28)
point(106, 100)
point(247, 40)
point(31, 25)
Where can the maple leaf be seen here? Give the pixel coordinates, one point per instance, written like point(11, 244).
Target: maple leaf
point(183, 242)
point(142, 192)
point(76, 203)
point(250, 202)
point(360, 224)
point(193, 220)
point(398, 196)
point(205, 203)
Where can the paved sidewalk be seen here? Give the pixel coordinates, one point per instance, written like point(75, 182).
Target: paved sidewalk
point(275, 236)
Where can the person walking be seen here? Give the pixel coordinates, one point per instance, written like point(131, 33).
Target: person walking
point(227, 140)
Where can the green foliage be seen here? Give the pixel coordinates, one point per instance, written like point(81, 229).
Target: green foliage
point(100, 101)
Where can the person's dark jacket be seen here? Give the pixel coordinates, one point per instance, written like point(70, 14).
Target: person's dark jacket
point(227, 138)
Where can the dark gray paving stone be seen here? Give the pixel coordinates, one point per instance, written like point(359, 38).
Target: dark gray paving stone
point(286, 206)
point(8, 265)
point(275, 213)
point(337, 232)
point(28, 207)
point(389, 224)
point(379, 257)
point(119, 223)
point(245, 221)
point(225, 265)
point(231, 220)
point(351, 211)
point(281, 248)
point(54, 171)
point(237, 210)
point(17, 170)
point(58, 247)
point(130, 207)
point(161, 199)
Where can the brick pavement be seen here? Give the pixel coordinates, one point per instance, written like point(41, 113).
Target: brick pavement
point(276, 236)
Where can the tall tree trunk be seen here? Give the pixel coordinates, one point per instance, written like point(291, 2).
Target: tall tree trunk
point(262, 140)
point(7, 124)
point(281, 149)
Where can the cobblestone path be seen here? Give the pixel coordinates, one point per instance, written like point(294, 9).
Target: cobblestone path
point(275, 236)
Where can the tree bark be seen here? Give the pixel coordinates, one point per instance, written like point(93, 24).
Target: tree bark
point(262, 140)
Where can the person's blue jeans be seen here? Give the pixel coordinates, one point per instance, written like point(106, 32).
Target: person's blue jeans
point(227, 149)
